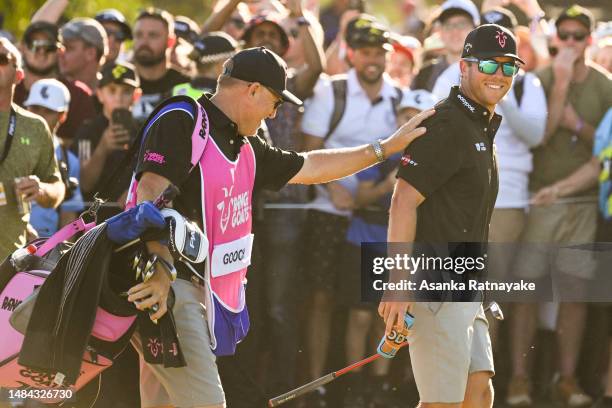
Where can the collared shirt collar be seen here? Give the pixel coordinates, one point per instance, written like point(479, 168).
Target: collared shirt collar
point(354, 87)
point(218, 118)
point(475, 111)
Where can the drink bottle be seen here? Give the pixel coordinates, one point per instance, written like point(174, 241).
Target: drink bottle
point(389, 344)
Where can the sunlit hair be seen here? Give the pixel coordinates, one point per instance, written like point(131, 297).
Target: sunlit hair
point(12, 50)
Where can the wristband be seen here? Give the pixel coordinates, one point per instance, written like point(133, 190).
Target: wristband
point(378, 150)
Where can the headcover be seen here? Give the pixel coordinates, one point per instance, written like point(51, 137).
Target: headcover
point(187, 241)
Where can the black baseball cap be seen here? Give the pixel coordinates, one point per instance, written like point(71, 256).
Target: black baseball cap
point(266, 18)
point(119, 73)
point(365, 31)
point(186, 29)
point(114, 16)
point(578, 13)
point(490, 40)
point(214, 46)
point(264, 66)
point(51, 30)
point(500, 16)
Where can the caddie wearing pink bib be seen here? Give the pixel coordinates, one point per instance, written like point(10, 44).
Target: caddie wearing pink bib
point(210, 149)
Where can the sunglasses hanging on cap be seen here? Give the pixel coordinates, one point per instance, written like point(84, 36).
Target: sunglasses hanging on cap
point(490, 67)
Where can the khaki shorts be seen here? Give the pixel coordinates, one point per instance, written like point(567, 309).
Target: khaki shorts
point(197, 384)
point(448, 342)
point(505, 230)
point(548, 229)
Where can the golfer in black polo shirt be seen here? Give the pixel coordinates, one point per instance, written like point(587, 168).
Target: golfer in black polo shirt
point(445, 194)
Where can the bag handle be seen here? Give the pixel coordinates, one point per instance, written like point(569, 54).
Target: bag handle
point(67, 232)
point(70, 230)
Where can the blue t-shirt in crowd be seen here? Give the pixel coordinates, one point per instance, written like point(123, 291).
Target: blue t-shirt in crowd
point(362, 230)
point(46, 220)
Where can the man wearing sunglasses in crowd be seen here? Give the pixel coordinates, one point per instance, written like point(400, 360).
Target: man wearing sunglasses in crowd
point(40, 48)
point(117, 30)
point(579, 93)
point(28, 169)
point(445, 194)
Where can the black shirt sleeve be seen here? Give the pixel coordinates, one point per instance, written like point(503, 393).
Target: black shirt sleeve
point(167, 147)
point(275, 167)
point(432, 159)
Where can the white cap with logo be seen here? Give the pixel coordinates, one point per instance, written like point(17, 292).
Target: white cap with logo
point(50, 94)
point(419, 99)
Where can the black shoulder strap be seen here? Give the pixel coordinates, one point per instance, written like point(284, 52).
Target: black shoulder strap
point(339, 88)
point(395, 101)
point(10, 134)
point(63, 164)
point(519, 88)
point(131, 156)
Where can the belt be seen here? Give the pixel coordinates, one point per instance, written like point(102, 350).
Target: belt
point(185, 274)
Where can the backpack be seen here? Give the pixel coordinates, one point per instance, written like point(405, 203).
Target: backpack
point(339, 86)
point(519, 87)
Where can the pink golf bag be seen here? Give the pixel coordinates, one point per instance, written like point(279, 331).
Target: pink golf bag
point(19, 279)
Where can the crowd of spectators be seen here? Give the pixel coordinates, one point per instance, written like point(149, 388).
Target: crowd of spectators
point(74, 95)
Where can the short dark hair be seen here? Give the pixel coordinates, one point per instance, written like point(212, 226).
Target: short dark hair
point(158, 14)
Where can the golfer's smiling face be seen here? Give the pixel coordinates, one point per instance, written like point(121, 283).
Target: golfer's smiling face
point(485, 89)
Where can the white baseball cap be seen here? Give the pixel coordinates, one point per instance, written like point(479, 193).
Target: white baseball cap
point(50, 94)
point(418, 99)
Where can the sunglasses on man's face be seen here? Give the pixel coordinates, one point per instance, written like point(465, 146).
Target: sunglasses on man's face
point(577, 36)
point(5, 59)
point(280, 100)
point(119, 36)
point(489, 67)
point(45, 46)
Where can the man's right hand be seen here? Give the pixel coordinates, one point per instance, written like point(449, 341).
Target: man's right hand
point(114, 138)
point(563, 65)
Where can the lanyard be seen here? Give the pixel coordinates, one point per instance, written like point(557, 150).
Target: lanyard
point(10, 133)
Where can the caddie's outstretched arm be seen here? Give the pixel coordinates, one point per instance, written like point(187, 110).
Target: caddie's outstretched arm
point(322, 166)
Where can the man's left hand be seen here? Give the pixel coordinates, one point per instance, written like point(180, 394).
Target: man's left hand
point(29, 186)
point(398, 141)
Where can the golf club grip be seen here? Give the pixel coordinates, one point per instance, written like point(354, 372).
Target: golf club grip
point(306, 388)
